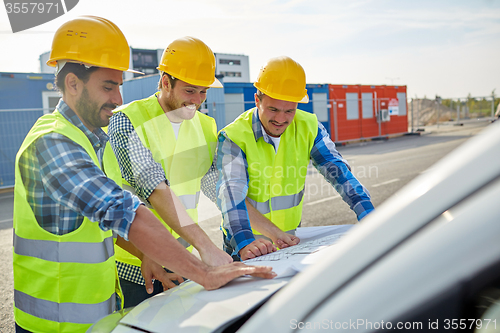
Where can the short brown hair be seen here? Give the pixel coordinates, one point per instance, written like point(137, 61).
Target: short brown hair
point(81, 72)
point(260, 95)
point(171, 79)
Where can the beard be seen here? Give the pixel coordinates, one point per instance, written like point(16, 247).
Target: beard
point(90, 111)
point(173, 105)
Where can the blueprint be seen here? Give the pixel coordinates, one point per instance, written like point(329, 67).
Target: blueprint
point(291, 260)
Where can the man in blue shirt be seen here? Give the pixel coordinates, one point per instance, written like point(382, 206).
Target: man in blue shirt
point(266, 150)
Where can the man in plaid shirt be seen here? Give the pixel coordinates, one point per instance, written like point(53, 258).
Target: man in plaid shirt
point(162, 143)
point(262, 159)
point(65, 206)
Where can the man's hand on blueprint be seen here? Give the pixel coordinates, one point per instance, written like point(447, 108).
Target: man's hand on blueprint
point(257, 248)
point(284, 240)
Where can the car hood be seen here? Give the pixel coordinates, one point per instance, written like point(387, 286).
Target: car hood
point(467, 169)
point(191, 308)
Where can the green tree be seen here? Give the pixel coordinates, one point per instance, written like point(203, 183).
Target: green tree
point(471, 102)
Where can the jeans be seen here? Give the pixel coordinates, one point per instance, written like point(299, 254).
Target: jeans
point(19, 329)
point(134, 293)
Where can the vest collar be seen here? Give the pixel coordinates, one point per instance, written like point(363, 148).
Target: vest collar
point(98, 138)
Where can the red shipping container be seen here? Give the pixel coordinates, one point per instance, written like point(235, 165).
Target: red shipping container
point(354, 111)
point(344, 125)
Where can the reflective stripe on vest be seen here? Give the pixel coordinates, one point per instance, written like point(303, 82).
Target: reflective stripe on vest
point(63, 312)
point(84, 253)
point(276, 180)
point(190, 201)
point(183, 242)
point(278, 203)
point(185, 160)
point(61, 283)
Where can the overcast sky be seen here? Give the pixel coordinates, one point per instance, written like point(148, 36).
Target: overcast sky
point(445, 47)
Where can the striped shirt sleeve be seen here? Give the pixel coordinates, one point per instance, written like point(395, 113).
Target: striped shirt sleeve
point(136, 162)
point(232, 189)
point(73, 181)
point(328, 161)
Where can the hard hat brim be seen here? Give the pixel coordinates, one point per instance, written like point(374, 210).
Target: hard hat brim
point(216, 84)
point(53, 63)
point(134, 71)
point(304, 99)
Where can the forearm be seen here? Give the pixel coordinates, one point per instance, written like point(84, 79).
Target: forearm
point(148, 235)
point(261, 223)
point(165, 202)
point(129, 247)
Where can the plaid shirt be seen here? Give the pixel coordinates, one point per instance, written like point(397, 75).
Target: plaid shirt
point(143, 173)
point(136, 161)
point(232, 187)
point(64, 185)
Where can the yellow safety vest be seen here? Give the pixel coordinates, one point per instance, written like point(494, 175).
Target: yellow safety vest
point(185, 160)
point(62, 283)
point(276, 180)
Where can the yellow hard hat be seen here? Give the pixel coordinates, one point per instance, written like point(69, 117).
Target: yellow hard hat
point(93, 41)
point(190, 60)
point(284, 79)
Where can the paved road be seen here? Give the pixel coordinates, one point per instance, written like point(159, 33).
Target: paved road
point(382, 166)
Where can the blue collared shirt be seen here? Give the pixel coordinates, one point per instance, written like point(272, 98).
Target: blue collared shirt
point(64, 185)
point(232, 186)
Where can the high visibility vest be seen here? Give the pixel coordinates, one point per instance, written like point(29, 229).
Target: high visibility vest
point(277, 180)
point(62, 283)
point(185, 160)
